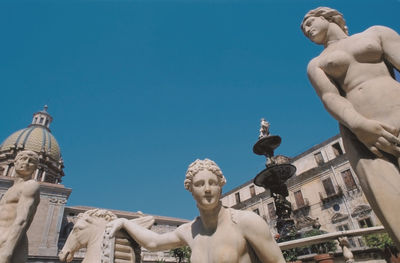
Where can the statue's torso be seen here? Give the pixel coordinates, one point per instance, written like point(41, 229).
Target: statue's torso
point(356, 66)
point(225, 245)
point(8, 205)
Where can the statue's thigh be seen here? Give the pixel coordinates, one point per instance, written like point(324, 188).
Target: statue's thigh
point(379, 180)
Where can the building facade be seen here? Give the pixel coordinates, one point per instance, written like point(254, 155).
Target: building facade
point(324, 190)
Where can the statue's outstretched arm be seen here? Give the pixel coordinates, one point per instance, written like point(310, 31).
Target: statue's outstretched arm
point(145, 237)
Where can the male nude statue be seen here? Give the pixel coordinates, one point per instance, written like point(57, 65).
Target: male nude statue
point(17, 209)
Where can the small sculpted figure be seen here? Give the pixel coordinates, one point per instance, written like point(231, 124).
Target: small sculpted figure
point(17, 209)
point(354, 78)
point(219, 234)
point(264, 129)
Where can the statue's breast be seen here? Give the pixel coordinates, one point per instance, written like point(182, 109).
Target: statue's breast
point(12, 195)
point(366, 50)
point(335, 63)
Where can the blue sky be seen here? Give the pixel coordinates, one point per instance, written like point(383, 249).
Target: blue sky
point(140, 89)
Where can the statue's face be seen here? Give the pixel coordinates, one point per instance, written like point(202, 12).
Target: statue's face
point(26, 163)
point(206, 189)
point(316, 29)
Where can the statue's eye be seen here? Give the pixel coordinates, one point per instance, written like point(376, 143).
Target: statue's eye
point(199, 183)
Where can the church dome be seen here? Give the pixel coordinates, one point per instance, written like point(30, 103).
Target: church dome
point(36, 137)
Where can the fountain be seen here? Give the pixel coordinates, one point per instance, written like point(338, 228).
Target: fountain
point(278, 171)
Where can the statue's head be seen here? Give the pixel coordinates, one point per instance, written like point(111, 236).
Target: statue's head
point(199, 165)
point(323, 13)
point(204, 179)
point(87, 229)
point(26, 163)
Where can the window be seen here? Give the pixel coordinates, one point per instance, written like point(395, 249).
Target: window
point(328, 185)
point(366, 222)
point(256, 211)
point(41, 120)
point(342, 227)
point(237, 196)
point(349, 180)
point(298, 196)
point(318, 158)
point(337, 150)
point(271, 210)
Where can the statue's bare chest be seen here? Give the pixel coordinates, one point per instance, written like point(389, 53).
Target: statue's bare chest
point(225, 245)
point(12, 195)
point(338, 58)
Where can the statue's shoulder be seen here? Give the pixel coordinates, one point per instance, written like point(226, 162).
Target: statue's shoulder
point(314, 63)
point(31, 188)
point(242, 216)
point(379, 30)
point(184, 231)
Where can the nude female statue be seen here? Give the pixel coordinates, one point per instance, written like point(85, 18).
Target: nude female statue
point(219, 234)
point(353, 76)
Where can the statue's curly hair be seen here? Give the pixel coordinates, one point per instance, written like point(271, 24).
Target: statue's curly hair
point(100, 213)
point(330, 14)
point(200, 165)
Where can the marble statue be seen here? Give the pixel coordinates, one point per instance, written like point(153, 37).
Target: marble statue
point(17, 209)
point(354, 78)
point(88, 232)
point(264, 129)
point(345, 245)
point(219, 234)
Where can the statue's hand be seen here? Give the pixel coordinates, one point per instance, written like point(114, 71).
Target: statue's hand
point(114, 226)
point(378, 137)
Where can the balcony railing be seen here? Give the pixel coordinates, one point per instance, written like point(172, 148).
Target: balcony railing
point(304, 205)
point(301, 243)
point(330, 236)
point(328, 198)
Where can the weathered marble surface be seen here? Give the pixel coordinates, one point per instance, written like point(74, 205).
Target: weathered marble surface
point(219, 234)
point(353, 77)
point(89, 232)
point(17, 209)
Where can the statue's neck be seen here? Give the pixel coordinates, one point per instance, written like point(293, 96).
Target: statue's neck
point(334, 34)
point(210, 217)
point(93, 250)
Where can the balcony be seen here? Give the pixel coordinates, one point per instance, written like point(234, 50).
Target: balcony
point(302, 209)
point(326, 199)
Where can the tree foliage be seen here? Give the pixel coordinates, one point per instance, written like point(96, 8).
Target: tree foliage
point(378, 240)
point(182, 254)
